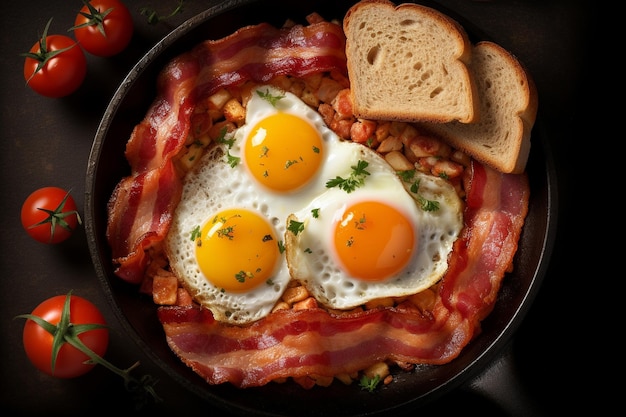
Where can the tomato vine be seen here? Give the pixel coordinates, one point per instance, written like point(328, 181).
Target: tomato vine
point(66, 332)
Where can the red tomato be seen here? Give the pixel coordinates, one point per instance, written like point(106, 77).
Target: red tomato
point(49, 215)
point(55, 66)
point(103, 27)
point(70, 362)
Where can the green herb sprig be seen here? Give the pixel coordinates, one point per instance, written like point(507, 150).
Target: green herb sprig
point(369, 384)
point(355, 180)
point(425, 204)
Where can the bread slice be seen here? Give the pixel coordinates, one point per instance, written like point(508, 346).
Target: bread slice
point(508, 109)
point(408, 63)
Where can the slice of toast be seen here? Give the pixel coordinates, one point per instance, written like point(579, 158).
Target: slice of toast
point(508, 109)
point(408, 63)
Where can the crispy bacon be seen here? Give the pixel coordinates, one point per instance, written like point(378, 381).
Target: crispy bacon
point(488, 242)
point(297, 343)
point(263, 52)
point(137, 219)
point(139, 216)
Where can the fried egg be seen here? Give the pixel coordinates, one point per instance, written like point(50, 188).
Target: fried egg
point(229, 241)
point(387, 237)
point(226, 238)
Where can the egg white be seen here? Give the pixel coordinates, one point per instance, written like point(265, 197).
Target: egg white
point(313, 261)
point(214, 185)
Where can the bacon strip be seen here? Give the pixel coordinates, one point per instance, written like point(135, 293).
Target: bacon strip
point(263, 52)
point(298, 343)
point(139, 213)
point(496, 207)
point(139, 216)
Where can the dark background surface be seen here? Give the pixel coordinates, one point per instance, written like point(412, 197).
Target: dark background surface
point(47, 142)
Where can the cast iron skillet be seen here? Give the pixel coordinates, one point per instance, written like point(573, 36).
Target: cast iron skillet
point(107, 166)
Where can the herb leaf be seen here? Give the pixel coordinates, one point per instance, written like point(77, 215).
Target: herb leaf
point(425, 204)
point(154, 17)
point(230, 159)
point(195, 233)
point(356, 178)
point(269, 97)
point(295, 227)
point(368, 383)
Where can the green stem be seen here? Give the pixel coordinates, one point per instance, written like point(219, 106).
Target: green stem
point(131, 383)
point(154, 17)
point(44, 55)
point(67, 332)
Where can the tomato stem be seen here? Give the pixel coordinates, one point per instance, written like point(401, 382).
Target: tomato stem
point(94, 18)
point(67, 332)
point(43, 56)
point(57, 217)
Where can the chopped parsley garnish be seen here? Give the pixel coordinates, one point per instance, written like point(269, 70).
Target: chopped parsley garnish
point(222, 138)
point(425, 204)
point(406, 176)
point(315, 213)
point(195, 233)
point(290, 163)
point(232, 160)
point(242, 275)
point(269, 97)
point(356, 178)
point(368, 383)
point(360, 224)
point(295, 226)
point(281, 246)
point(226, 232)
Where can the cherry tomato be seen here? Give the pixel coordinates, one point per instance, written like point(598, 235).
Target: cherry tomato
point(103, 27)
point(49, 215)
point(39, 343)
point(55, 66)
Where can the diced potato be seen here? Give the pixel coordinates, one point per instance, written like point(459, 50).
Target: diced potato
point(293, 295)
point(193, 154)
point(380, 368)
point(234, 112)
point(398, 161)
point(183, 298)
point(346, 379)
point(219, 99)
point(322, 381)
point(310, 302)
point(164, 289)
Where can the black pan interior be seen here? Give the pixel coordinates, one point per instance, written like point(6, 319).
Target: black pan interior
point(107, 166)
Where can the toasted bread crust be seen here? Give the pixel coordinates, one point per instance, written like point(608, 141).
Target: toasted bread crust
point(408, 63)
point(508, 110)
point(402, 60)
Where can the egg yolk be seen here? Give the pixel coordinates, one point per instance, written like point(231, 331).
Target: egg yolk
point(283, 152)
point(374, 240)
point(237, 250)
